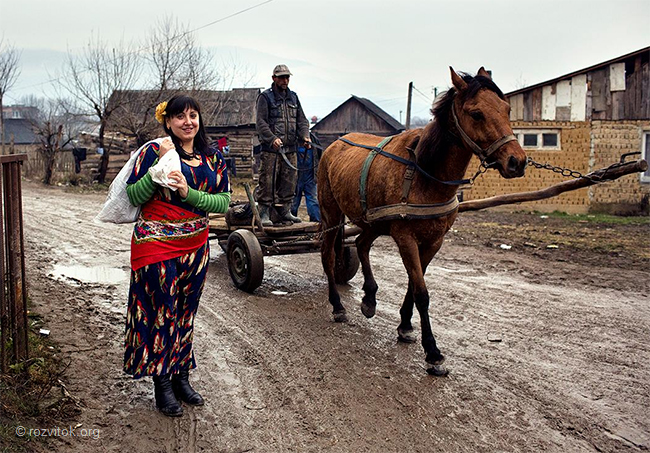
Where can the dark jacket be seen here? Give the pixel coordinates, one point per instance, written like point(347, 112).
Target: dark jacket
point(280, 115)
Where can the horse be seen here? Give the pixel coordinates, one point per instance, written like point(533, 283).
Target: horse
point(414, 178)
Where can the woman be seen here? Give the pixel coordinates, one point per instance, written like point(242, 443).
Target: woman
point(170, 253)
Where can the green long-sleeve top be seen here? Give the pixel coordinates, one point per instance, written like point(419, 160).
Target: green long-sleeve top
point(141, 191)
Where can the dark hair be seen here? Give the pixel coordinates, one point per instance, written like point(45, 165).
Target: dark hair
point(178, 104)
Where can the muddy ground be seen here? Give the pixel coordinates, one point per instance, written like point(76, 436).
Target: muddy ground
point(548, 348)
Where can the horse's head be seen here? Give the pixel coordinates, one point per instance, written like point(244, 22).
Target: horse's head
point(480, 114)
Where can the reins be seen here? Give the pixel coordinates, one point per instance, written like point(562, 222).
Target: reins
point(409, 163)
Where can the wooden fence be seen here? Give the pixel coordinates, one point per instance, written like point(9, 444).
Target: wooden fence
point(13, 297)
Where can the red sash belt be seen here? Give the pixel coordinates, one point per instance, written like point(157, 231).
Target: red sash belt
point(164, 231)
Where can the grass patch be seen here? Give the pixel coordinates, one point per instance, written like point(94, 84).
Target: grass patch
point(604, 219)
point(32, 391)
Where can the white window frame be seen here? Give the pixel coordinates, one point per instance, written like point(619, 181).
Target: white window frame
point(519, 133)
point(645, 153)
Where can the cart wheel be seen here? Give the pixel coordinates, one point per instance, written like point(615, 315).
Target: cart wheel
point(245, 260)
point(347, 266)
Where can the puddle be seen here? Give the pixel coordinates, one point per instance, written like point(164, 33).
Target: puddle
point(101, 274)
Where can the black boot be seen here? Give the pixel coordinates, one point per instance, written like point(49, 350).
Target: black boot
point(264, 215)
point(286, 216)
point(183, 391)
point(165, 399)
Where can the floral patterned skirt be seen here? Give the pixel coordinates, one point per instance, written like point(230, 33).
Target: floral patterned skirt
point(163, 300)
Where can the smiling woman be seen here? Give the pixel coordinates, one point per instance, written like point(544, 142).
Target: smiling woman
point(170, 252)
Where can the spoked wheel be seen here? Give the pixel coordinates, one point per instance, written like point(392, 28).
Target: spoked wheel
point(245, 260)
point(346, 266)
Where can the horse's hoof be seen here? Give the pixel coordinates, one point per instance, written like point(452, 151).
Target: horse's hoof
point(406, 336)
point(367, 310)
point(435, 358)
point(340, 316)
point(438, 370)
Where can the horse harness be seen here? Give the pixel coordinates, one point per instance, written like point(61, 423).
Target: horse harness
point(401, 210)
point(408, 211)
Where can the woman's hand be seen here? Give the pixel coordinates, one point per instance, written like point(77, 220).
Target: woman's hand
point(166, 144)
point(180, 184)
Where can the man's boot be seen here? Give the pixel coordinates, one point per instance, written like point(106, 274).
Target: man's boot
point(264, 214)
point(286, 216)
point(183, 391)
point(165, 399)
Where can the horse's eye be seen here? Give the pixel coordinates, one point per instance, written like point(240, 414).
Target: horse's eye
point(476, 116)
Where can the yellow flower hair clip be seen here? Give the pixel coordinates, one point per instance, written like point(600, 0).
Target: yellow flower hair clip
point(160, 112)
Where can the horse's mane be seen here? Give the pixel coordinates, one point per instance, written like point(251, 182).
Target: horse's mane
point(437, 136)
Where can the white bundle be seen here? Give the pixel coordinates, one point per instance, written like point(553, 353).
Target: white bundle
point(160, 172)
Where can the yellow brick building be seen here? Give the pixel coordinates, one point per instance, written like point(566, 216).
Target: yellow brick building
point(583, 121)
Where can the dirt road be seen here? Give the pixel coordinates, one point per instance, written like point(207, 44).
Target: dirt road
point(544, 354)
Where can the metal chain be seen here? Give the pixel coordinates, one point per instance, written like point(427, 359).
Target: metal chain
point(567, 172)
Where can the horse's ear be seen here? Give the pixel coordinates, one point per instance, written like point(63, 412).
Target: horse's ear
point(457, 80)
point(484, 73)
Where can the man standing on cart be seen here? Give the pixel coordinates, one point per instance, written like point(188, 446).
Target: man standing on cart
point(282, 126)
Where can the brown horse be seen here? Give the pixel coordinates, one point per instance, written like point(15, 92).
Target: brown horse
point(471, 117)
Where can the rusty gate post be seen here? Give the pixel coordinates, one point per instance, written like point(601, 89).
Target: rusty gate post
point(15, 256)
point(4, 307)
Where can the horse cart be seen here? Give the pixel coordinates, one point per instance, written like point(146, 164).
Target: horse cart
point(246, 245)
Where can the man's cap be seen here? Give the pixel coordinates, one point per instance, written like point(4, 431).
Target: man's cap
point(281, 70)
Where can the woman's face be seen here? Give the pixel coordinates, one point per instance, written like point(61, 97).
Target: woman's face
point(184, 125)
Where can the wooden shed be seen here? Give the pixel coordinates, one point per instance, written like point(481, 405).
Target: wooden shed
point(584, 120)
point(236, 122)
point(355, 115)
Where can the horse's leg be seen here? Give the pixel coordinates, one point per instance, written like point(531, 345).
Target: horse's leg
point(368, 302)
point(405, 329)
point(331, 215)
point(411, 258)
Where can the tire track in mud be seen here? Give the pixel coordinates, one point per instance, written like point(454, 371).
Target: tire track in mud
point(569, 373)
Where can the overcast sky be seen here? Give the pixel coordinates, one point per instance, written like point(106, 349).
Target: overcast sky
point(335, 48)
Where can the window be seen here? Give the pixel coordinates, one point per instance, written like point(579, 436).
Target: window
point(645, 152)
point(530, 139)
point(539, 138)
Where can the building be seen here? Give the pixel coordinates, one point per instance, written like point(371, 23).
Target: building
point(584, 121)
point(355, 115)
point(228, 114)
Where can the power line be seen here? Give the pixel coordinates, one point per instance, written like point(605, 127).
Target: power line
point(425, 96)
point(228, 17)
point(174, 37)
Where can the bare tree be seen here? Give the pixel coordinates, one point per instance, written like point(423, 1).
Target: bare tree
point(55, 127)
point(9, 72)
point(91, 77)
point(418, 121)
point(175, 63)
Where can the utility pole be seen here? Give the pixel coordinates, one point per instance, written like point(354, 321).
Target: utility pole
point(408, 107)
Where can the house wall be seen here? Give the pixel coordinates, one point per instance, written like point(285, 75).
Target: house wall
point(240, 143)
point(585, 146)
point(609, 141)
point(616, 91)
point(351, 117)
point(574, 154)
